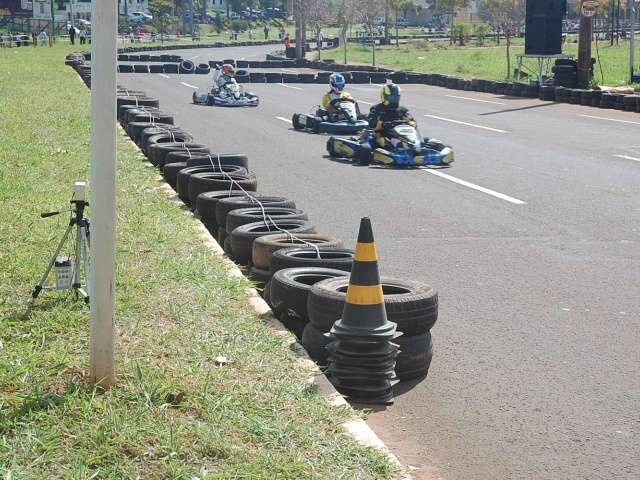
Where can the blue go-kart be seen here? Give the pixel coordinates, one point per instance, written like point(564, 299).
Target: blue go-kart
point(404, 147)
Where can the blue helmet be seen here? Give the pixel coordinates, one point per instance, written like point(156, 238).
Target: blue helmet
point(390, 95)
point(337, 83)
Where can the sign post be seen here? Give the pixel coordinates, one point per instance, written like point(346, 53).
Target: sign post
point(587, 11)
point(104, 23)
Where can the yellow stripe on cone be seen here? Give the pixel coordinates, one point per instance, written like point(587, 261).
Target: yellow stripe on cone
point(364, 295)
point(366, 252)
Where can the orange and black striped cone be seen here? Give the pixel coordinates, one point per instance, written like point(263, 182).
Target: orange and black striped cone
point(364, 312)
point(362, 357)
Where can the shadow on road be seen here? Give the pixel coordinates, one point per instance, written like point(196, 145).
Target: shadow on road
point(518, 109)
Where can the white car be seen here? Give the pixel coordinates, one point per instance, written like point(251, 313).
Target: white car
point(139, 17)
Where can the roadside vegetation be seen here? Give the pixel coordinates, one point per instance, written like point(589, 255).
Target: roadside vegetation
point(175, 412)
point(471, 61)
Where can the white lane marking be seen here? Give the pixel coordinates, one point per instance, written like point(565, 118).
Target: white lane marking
point(193, 58)
point(189, 85)
point(475, 99)
point(488, 191)
point(163, 75)
point(627, 157)
point(611, 119)
point(284, 119)
point(289, 86)
point(366, 103)
point(467, 124)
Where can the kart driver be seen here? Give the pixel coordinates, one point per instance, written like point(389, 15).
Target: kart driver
point(389, 110)
point(224, 76)
point(336, 92)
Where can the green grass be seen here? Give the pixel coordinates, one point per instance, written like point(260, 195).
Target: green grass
point(480, 62)
point(173, 414)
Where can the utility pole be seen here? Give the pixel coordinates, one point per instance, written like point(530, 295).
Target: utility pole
point(52, 24)
point(587, 12)
point(104, 16)
point(632, 37)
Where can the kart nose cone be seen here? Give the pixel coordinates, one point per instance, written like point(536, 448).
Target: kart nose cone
point(447, 155)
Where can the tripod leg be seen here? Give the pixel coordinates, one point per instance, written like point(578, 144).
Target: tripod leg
point(84, 235)
point(77, 284)
point(40, 286)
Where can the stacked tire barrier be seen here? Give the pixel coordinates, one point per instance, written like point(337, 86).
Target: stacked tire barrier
point(269, 235)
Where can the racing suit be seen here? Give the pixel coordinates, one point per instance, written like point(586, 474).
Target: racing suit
point(329, 97)
point(220, 80)
point(379, 117)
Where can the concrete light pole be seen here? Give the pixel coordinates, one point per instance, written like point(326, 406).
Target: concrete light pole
point(103, 189)
point(632, 38)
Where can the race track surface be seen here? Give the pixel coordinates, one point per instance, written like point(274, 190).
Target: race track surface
point(532, 239)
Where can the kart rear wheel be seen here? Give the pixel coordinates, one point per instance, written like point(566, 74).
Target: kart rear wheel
point(210, 101)
point(296, 121)
point(193, 97)
point(362, 157)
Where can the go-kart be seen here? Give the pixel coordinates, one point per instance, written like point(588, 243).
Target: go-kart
point(404, 147)
point(229, 95)
point(346, 119)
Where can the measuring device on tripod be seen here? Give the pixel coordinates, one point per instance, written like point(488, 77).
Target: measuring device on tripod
point(69, 269)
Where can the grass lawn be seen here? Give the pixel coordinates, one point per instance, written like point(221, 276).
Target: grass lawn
point(480, 62)
point(174, 413)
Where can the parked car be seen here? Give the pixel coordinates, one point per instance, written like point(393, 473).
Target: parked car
point(403, 22)
point(139, 17)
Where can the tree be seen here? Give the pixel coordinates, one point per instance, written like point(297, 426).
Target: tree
point(163, 19)
point(404, 6)
point(347, 13)
point(450, 7)
point(370, 10)
point(319, 13)
point(508, 15)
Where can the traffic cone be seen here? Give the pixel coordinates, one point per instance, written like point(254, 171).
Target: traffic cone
point(362, 357)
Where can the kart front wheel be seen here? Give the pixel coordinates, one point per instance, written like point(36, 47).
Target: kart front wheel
point(193, 98)
point(331, 148)
point(296, 121)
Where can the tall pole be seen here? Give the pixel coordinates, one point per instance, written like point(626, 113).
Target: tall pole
point(584, 48)
point(103, 189)
point(52, 24)
point(632, 37)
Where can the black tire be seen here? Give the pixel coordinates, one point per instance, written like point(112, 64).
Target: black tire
point(157, 130)
point(203, 69)
point(414, 359)
point(170, 68)
point(336, 258)
point(273, 77)
point(138, 68)
point(158, 153)
point(259, 277)
point(197, 159)
point(242, 238)
point(314, 342)
point(224, 206)
point(125, 68)
point(187, 67)
point(264, 247)
point(167, 137)
point(295, 120)
point(206, 205)
point(135, 129)
point(413, 306)
point(289, 290)
point(242, 216)
point(170, 172)
point(331, 150)
point(213, 181)
point(156, 69)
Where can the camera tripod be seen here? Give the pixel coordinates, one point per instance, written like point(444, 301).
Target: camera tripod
point(81, 249)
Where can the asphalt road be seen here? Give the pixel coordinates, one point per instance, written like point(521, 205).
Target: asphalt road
point(532, 239)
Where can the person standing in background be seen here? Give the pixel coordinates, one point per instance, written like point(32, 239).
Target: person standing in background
point(72, 34)
point(266, 31)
